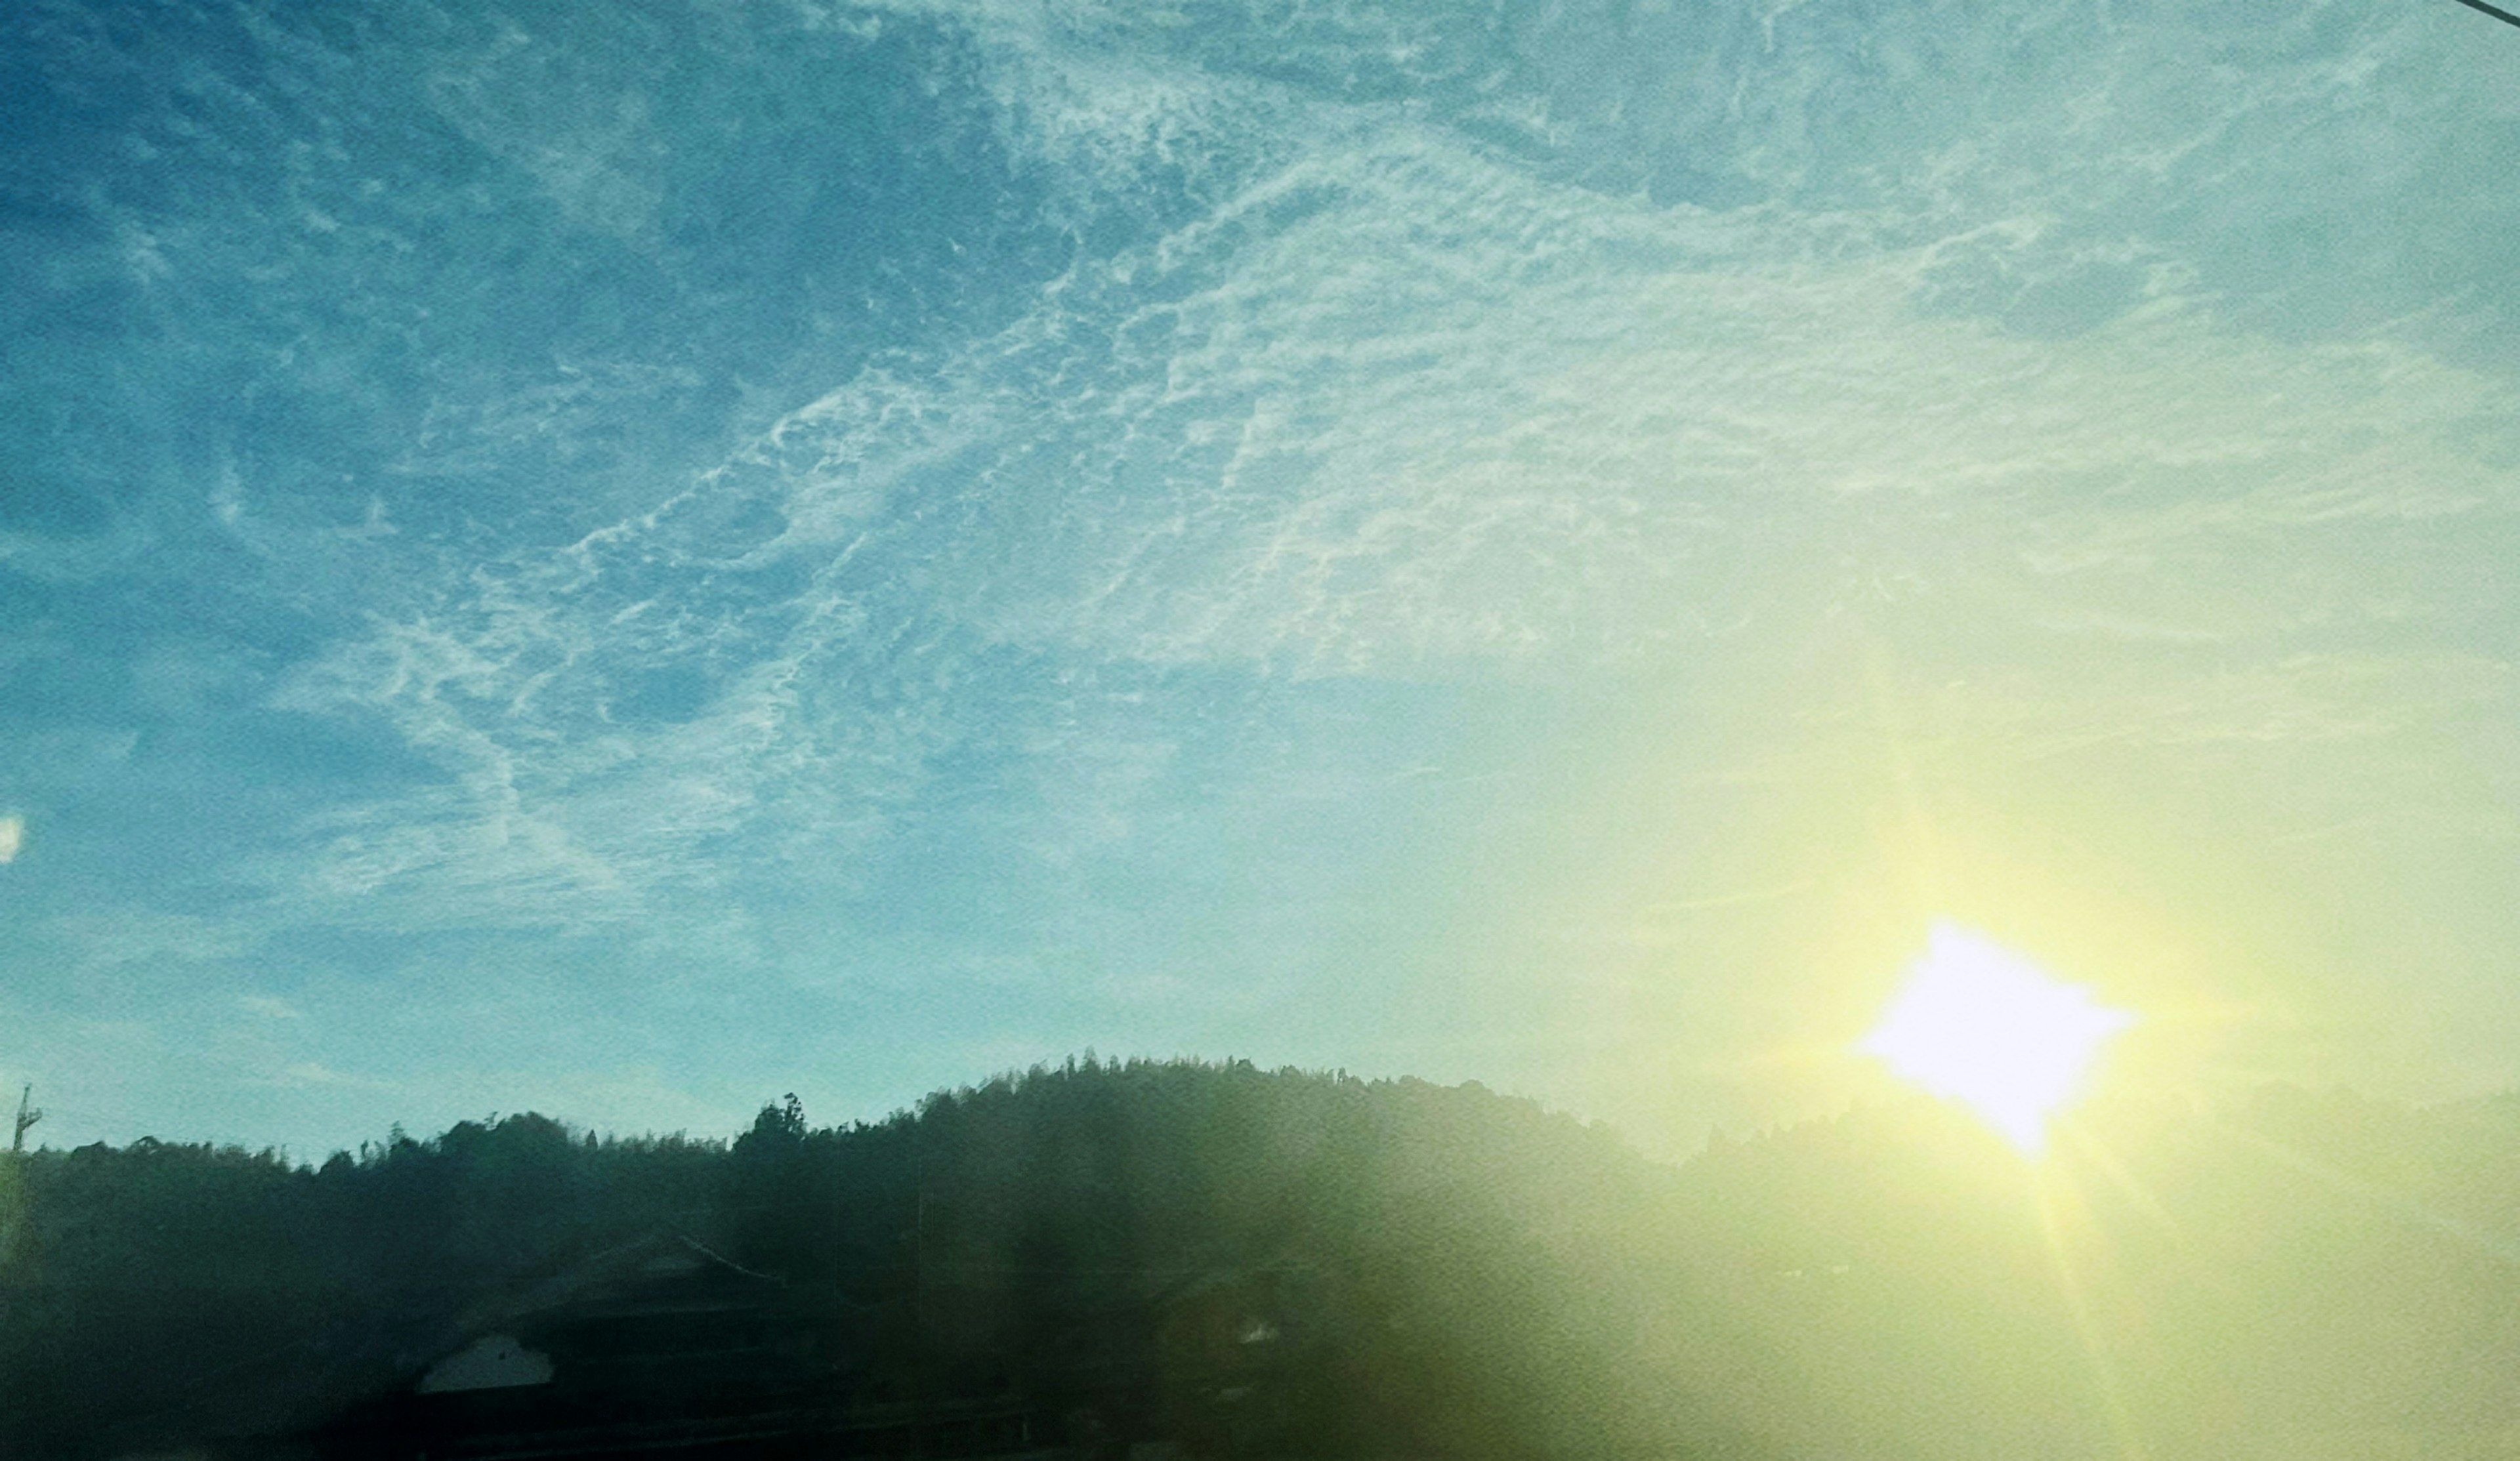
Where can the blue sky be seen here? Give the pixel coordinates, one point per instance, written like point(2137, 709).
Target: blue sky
point(626, 559)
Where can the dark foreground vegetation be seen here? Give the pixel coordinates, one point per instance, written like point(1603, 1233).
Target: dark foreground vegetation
point(1212, 1260)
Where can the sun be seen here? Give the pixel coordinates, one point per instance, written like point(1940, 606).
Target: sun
point(1980, 1024)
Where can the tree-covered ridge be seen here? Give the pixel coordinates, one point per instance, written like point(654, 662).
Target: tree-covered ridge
point(161, 1290)
point(1422, 1248)
point(1276, 1263)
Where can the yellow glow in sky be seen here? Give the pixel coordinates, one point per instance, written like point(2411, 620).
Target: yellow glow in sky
point(1980, 1024)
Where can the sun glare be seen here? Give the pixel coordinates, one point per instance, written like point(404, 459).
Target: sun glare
point(1980, 1024)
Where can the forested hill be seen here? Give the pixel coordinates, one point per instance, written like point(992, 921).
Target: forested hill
point(1445, 1253)
point(1444, 1272)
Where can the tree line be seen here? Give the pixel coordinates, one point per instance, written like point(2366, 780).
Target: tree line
point(1379, 1269)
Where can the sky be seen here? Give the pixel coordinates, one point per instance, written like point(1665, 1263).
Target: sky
point(623, 560)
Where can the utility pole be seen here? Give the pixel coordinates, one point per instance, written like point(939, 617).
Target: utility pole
point(13, 1193)
point(28, 1116)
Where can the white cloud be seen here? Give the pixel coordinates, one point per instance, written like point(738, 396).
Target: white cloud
point(132, 936)
point(1388, 405)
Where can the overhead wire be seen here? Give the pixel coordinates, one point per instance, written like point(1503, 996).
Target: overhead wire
point(2495, 10)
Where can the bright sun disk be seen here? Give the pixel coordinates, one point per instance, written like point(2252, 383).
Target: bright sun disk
point(1980, 1024)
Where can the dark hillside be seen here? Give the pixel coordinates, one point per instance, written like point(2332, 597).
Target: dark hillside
point(1235, 1260)
point(1234, 1263)
point(163, 1292)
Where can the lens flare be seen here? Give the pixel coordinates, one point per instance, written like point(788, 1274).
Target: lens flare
point(1981, 1025)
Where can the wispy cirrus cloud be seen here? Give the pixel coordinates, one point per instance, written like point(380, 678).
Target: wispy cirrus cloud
point(1381, 406)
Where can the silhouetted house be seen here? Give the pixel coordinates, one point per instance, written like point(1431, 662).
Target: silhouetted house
point(1242, 1362)
point(661, 1345)
point(667, 1349)
point(664, 1348)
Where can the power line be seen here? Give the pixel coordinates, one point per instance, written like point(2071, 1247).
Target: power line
point(2500, 13)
